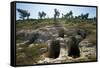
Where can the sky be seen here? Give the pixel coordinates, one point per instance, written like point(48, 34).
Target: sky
point(49, 10)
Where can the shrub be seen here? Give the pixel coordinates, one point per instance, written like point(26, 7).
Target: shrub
point(28, 55)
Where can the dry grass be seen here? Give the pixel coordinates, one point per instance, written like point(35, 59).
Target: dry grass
point(28, 55)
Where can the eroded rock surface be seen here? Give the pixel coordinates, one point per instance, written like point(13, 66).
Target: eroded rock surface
point(44, 35)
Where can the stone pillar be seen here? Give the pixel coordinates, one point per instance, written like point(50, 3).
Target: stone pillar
point(54, 49)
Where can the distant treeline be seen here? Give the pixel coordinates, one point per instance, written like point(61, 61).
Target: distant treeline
point(24, 15)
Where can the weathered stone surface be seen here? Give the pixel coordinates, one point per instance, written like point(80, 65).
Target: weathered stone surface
point(66, 50)
point(73, 47)
point(82, 32)
point(54, 49)
point(43, 50)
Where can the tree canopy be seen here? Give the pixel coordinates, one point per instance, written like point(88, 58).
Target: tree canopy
point(23, 13)
point(41, 14)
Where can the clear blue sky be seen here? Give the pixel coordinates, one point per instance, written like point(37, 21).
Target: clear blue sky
point(49, 10)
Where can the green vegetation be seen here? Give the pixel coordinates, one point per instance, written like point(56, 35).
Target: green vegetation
point(28, 55)
point(56, 15)
point(23, 14)
point(31, 55)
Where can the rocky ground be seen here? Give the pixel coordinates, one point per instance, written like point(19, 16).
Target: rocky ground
point(45, 34)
